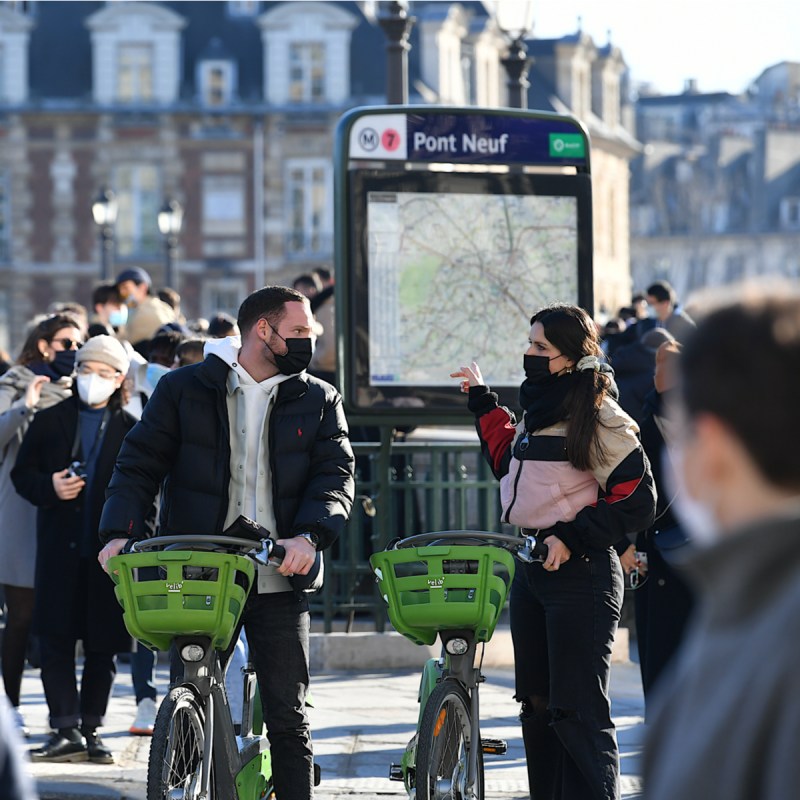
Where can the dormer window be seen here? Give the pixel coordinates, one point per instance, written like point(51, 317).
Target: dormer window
point(307, 72)
point(135, 53)
point(14, 35)
point(216, 75)
point(134, 72)
point(306, 53)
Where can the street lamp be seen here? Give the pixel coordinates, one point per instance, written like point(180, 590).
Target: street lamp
point(104, 211)
point(514, 18)
point(170, 219)
point(397, 26)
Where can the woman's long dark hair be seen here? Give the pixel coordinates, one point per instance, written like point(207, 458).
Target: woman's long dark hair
point(45, 329)
point(572, 332)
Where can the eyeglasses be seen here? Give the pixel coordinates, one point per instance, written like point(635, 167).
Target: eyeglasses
point(68, 344)
point(85, 369)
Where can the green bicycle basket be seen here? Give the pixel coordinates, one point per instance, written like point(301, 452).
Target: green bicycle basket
point(196, 593)
point(444, 587)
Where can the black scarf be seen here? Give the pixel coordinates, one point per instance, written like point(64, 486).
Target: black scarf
point(544, 401)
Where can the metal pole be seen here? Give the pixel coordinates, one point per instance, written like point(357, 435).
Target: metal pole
point(106, 251)
point(169, 261)
point(516, 64)
point(397, 26)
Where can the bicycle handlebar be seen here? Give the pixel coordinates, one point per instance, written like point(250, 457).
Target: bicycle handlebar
point(527, 549)
point(211, 542)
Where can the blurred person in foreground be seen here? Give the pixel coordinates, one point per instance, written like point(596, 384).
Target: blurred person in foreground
point(15, 782)
point(726, 723)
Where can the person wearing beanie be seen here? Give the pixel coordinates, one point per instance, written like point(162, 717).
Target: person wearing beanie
point(63, 467)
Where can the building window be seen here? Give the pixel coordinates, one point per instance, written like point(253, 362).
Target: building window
point(223, 205)
point(138, 193)
point(306, 72)
point(243, 8)
point(790, 213)
point(216, 81)
point(308, 194)
point(134, 72)
point(5, 215)
point(223, 295)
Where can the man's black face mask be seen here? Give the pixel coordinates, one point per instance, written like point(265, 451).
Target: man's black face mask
point(297, 356)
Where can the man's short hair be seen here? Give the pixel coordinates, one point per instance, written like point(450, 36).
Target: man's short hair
point(661, 290)
point(106, 293)
point(267, 303)
point(742, 365)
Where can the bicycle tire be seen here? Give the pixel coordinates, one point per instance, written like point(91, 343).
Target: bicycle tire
point(176, 750)
point(443, 746)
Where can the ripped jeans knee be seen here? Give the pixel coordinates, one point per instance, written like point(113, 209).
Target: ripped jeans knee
point(534, 707)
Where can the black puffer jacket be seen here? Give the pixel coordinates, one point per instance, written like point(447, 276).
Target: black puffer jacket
point(183, 439)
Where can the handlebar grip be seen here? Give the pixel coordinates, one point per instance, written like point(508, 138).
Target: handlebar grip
point(541, 550)
point(277, 551)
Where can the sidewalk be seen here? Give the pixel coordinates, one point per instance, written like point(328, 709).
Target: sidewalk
point(361, 723)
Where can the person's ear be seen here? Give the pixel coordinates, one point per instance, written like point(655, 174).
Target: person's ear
point(714, 457)
point(43, 346)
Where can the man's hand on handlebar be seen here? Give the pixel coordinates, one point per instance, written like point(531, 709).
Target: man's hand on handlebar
point(113, 548)
point(300, 556)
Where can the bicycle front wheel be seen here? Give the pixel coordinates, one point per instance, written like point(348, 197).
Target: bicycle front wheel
point(176, 751)
point(444, 747)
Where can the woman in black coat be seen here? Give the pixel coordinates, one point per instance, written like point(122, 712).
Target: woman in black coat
point(74, 597)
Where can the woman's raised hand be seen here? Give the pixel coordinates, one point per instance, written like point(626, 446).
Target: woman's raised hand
point(470, 376)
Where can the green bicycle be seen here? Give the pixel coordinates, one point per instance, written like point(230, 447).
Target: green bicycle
point(451, 584)
point(190, 591)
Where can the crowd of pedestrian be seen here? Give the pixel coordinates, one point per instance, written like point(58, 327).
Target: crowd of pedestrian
point(665, 441)
point(81, 381)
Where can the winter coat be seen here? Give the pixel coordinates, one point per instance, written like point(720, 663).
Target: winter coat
point(17, 515)
point(587, 510)
point(47, 448)
point(183, 439)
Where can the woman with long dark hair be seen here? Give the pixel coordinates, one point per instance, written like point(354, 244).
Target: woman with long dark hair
point(572, 470)
point(40, 379)
point(63, 467)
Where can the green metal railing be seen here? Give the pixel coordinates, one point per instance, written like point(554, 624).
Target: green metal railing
point(402, 488)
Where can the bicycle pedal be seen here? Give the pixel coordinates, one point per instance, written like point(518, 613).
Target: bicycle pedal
point(395, 772)
point(494, 747)
point(317, 775)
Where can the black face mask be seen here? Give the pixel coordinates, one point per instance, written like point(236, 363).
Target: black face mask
point(296, 358)
point(63, 363)
point(537, 368)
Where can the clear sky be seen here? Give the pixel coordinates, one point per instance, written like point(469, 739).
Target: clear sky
point(724, 45)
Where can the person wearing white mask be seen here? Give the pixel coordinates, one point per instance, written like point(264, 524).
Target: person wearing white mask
point(726, 722)
point(63, 467)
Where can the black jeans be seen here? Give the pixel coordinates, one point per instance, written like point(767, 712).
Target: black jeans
point(562, 626)
point(277, 628)
point(68, 706)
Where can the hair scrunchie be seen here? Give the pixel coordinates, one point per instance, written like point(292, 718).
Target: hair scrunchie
point(588, 362)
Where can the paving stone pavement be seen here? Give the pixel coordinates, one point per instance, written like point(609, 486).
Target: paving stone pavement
point(361, 722)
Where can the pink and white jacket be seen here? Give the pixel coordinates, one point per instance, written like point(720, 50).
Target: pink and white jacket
point(540, 489)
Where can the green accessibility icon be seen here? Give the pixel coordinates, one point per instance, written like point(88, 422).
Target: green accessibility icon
point(567, 145)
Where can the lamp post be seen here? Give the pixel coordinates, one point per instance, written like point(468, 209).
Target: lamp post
point(170, 220)
point(514, 18)
point(397, 26)
point(104, 211)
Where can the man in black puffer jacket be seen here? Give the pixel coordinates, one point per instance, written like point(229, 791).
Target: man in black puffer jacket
point(248, 432)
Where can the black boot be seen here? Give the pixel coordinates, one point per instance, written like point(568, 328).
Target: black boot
point(98, 752)
point(65, 745)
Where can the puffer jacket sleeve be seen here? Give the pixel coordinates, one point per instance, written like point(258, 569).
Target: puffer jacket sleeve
point(627, 502)
point(144, 459)
point(496, 428)
point(328, 495)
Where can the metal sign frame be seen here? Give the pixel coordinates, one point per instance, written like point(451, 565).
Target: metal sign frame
point(430, 150)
